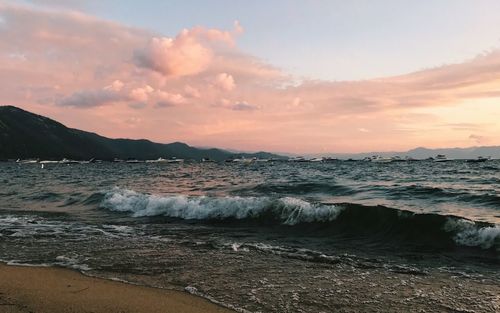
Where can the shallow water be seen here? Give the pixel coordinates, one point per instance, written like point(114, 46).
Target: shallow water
point(282, 237)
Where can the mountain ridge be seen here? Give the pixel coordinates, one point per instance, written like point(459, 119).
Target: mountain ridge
point(28, 135)
point(424, 153)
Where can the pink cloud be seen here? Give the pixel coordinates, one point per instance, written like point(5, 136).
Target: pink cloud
point(117, 85)
point(181, 56)
point(165, 99)
point(224, 81)
point(91, 98)
point(189, 53)
point(191, 92)
point(102, 76)
point(244, 106)
point(141, 94)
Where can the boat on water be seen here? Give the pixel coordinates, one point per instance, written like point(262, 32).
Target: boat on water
point(261, 160)
point(397, 158)
point(441, 158)
point(316, 160)
point(244, 160)
point(133, 161)
point(380, 159)
point(297, 159)
point(175, 160)
point(159, 160)
point(48, 162)
point(410, 159)
point(93, 160)
point(68, 161)
point(330, 159)
point(479, 159)
point(27, 161)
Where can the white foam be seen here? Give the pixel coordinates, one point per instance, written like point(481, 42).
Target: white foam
point(71, 262)
point(194, 291)
point(19, 263)
point(467, 233)
point(32, 226)
point(290, 211)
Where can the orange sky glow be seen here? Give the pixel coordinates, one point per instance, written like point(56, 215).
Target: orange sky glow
point(199, 87)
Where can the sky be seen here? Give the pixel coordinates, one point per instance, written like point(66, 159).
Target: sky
point(306, 76)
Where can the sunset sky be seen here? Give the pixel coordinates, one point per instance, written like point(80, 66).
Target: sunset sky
point(295, 76)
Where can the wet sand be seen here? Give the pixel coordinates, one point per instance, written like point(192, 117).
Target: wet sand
point(49, 290)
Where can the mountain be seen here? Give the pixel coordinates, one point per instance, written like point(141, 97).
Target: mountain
point(423, 153)
point(27, 135)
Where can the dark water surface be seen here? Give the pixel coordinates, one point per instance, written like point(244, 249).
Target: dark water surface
point(263, 237)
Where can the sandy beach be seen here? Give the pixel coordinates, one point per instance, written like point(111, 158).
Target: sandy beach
point(50, 290)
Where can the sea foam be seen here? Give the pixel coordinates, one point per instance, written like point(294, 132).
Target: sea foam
point(288, 210)
point(467, 233)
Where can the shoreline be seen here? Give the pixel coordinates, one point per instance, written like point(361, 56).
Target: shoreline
point(26, 289)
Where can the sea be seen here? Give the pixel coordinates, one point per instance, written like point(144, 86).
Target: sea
point(345, 236)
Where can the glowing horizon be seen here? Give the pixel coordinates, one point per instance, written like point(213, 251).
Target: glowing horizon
point(201, 87)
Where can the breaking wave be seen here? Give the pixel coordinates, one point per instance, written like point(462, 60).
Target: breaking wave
point(287, 210)
point(376, 223)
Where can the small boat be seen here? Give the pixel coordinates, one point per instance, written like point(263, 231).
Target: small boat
point(410, 159)
point(175, 160)
point(27, 161)
point(479, 159)
point(441, 158)
point(236, 160)
point(316, 160)
point(380, 159)
point(330, 160)
point(49, 162)
point(117, 160)
point(207, 160)
point(68, 161)
point(133, 161)
point(297, 159)
point(397, 159)
point(87, 162)
point(262, 160)
point(159, 160)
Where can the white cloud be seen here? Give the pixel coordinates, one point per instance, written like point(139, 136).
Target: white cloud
point(224, 81)
point(141, 94)
point(117, 85)
point(165, 99)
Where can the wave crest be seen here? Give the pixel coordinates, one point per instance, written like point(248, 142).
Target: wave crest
point(287, 210)
point(377, 223)
point(468, 234)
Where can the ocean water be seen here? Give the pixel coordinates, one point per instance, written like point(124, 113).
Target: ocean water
point(268, 237)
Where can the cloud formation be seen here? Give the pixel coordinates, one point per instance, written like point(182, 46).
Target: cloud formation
point(224, 81)
point(244, 106)
point(189, 53)
point(181, 56)
point(102, 76)
point(91, 98)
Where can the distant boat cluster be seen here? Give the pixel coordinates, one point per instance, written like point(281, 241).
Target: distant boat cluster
point(381, 159)
point(243, 160)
